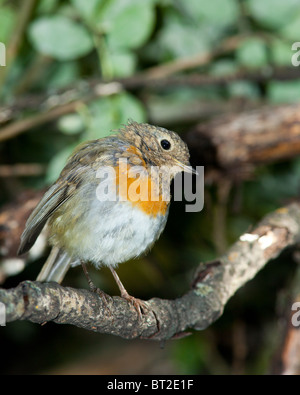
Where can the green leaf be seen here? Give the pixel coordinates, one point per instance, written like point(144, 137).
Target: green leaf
point(46, 6)
point(127, 23)
point(223, 67)
point(284, 92)
point(7, 21)
point(243, 89)
point(88, 8)
point(281, 52)
point(179, 39)
point(100, 120)
point(123, 63)
point(60, 37)
point(64, 74)
point(222, 12)
point(292, 30)
point(252, 53)
point(110, 113)
point(130, 108)
point(71, 124)
point(273, 13)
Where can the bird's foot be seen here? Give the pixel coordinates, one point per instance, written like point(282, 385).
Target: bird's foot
point(140, 306)
point(105, 298)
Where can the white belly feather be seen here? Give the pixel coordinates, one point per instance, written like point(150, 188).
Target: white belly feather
point(112, 233)
point(120, 233)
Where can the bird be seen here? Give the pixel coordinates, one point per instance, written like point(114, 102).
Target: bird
point(86, 226)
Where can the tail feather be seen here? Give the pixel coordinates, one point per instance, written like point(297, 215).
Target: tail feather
point(55, 267)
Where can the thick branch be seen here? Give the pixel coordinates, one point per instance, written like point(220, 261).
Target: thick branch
point(213, 285)
point(240, 141)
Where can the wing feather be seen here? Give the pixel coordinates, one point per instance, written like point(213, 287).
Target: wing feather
point(50, 202)
point(83, 158)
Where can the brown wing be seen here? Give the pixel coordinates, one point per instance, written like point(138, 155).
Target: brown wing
point(84, 157)
point(56, 195)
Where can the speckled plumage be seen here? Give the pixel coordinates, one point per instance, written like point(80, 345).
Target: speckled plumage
point(82, 228)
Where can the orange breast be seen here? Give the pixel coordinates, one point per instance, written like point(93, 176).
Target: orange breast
point(140, 189)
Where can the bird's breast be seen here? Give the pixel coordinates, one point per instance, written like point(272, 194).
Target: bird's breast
point(142, 189)
point(109, 231)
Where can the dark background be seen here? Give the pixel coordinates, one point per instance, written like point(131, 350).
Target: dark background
point(55, 46)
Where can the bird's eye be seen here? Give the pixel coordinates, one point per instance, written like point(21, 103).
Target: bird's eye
point(166, 145)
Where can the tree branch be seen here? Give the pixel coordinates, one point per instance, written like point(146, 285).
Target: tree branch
point(47, 107)
point(236, 143)
point(213, 285)
point(151, 78)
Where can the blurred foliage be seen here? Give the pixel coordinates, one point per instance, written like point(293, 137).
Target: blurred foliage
point(64, 42)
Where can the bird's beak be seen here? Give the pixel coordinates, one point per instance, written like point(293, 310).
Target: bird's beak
point(187, 169)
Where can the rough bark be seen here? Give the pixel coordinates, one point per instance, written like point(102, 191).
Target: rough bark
point(213, 285)
point(238, 142)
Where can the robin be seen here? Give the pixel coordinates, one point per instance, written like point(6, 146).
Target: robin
point(86, 226)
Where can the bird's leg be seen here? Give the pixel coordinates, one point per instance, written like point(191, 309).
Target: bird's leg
point(138, 304)
point(93, 287)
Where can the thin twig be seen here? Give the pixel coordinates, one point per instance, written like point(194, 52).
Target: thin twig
point(22, 170)
point(182, 64)
point(28, 123)
point(58, 107)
